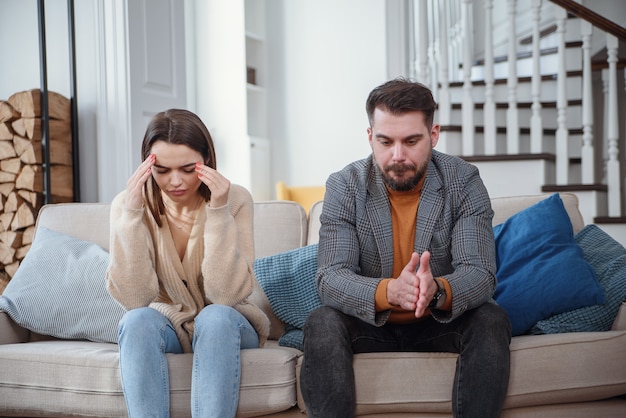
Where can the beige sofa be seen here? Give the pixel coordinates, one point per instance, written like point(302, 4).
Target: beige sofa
point(562, 375)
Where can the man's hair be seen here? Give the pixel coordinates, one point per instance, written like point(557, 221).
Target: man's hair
point(399, 96)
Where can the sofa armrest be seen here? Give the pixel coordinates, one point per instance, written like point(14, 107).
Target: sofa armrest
point(10, 332)
point(620, 320)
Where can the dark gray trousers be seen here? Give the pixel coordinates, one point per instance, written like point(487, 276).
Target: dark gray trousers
point(480, 336)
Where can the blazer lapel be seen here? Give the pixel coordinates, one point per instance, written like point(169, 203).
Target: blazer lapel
point(430, 206)
point(377, 210)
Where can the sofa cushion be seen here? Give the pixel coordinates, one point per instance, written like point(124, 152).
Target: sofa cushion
point(540, 268)
point(505, 207)
point(279, 226)
point(545, 369)
point(86, 221)
point(288, 280)
point(81, 378)
point(59, 290)
point(608, 259)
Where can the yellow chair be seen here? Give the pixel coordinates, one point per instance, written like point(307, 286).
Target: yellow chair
point(305, 195)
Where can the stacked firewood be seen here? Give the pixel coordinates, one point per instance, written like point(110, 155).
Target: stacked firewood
point(22, 169)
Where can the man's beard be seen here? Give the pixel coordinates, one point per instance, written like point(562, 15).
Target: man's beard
point(403, 185)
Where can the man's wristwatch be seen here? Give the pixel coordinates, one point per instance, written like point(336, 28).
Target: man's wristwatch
point(439, 298)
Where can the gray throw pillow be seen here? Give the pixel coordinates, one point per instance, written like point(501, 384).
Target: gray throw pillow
point(59, 290)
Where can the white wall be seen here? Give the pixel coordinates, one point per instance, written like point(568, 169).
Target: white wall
point(19, 40)
point(324, 58)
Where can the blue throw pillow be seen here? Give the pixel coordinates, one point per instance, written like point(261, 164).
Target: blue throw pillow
point(59, 290)
point(288, 280)
point(608, 259)
point(540, 268)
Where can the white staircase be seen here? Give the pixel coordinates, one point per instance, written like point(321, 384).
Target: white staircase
point(545, 125)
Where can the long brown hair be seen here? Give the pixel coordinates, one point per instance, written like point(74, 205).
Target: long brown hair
point(178, 127)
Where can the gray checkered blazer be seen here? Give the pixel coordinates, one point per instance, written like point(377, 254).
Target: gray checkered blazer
point(453, 223)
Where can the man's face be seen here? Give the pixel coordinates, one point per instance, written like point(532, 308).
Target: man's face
point(402, 147)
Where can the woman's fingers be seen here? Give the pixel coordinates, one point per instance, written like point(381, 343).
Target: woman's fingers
point(134, 186)
point(216, 182)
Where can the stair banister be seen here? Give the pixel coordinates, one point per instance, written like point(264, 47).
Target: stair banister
point(592, 17)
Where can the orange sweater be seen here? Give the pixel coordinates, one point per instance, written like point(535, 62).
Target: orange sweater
point(403, 220)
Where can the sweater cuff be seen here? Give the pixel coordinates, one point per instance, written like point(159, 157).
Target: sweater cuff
point(382, 304)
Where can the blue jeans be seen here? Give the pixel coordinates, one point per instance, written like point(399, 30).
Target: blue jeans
point(145, 336)
point(481, 337)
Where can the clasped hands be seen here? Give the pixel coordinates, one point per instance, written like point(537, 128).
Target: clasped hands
point(415, 287)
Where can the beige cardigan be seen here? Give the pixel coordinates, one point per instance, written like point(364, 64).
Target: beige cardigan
point(145, 270)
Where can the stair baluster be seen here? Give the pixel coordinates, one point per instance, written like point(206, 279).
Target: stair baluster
point(489, 109)
point(562, 134)
point(512, 122)
point(587, 155)
point(444, 77)
point(536, 123)
point(468, 102)
point(423, 48)
point(612, 165)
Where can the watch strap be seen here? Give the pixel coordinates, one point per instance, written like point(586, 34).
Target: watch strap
point(438, 298)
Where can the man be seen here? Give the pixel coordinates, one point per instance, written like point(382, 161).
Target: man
point(406, 262)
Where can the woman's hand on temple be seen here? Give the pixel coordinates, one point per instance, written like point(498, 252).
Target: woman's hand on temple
point(134, 186)
point(218, 184)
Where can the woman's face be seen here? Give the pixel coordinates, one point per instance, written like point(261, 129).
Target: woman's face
point(174, 171)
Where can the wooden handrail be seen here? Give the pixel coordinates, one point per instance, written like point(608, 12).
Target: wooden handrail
point(592, 17)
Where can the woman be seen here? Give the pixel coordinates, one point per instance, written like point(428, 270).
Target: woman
point(181, 257)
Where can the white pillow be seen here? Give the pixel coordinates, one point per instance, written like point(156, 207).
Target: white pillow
point(59, 290)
